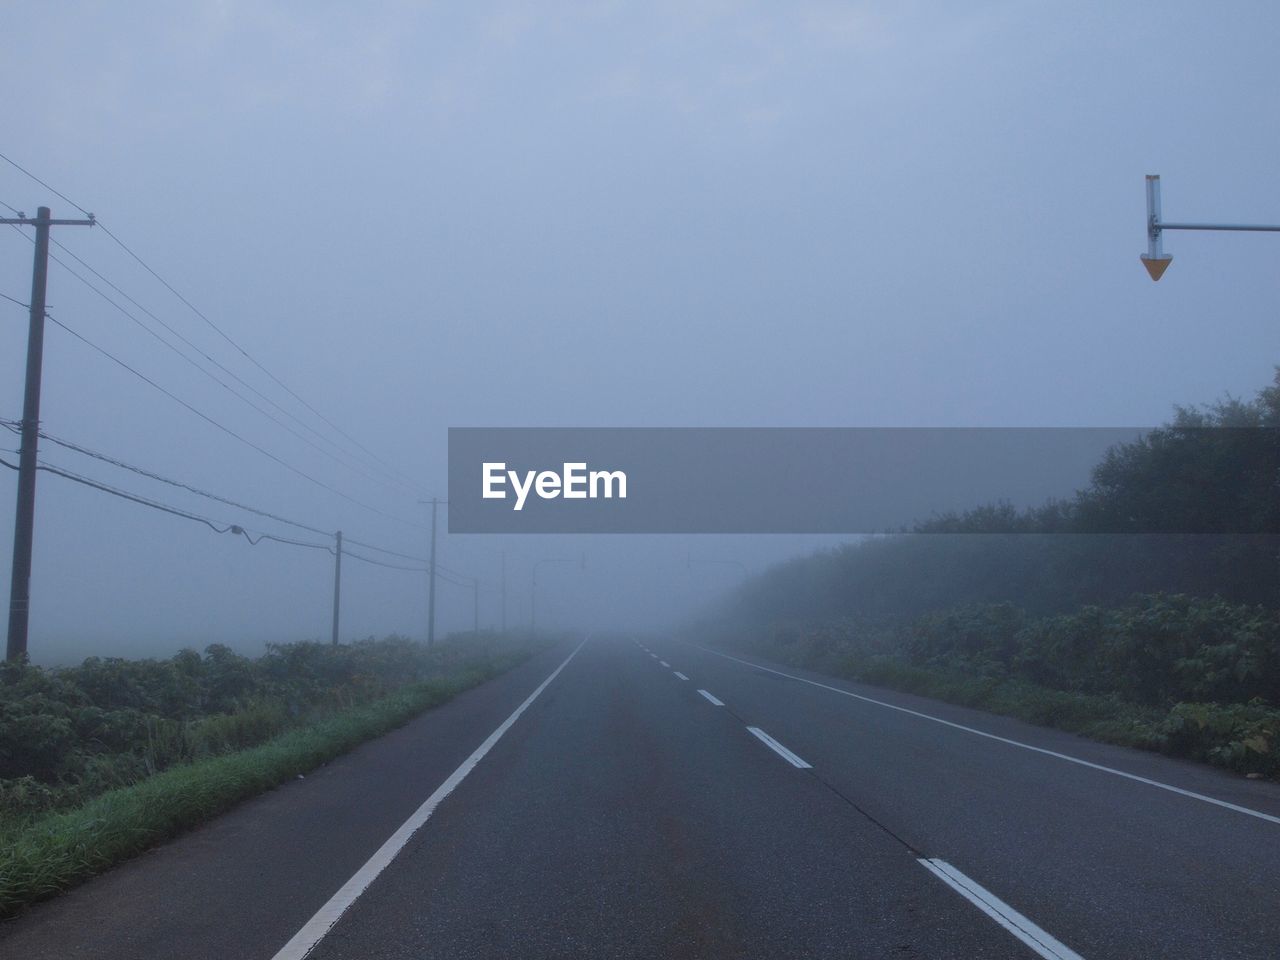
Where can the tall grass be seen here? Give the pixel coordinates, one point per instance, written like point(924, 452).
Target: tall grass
point(60, 850)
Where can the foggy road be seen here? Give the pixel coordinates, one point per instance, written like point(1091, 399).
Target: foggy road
point(622, 798)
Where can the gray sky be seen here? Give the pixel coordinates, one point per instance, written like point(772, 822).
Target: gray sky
point(424, 215)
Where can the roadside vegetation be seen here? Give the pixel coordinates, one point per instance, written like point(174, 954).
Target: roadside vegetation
point(1167, 640)
point(101, 761)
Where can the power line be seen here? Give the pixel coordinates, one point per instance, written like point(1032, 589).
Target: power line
point(178, 483)
point(455, 578)
point(225, 369)
point(222, 383)
point(285, 540)
point(227, 430)
point(199, 313)
point(23, 170)
point(443, 572)
point(391, 553)
point(24, 306)
point(48, 468)
point(241, 350)
point(12, 425)
point(232, 528)
point(380, 563)
point(225, 527)
point(209, 358)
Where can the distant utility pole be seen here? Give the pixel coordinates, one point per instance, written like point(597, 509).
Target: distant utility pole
point(25, 515)
point(337, 583)
point(1155, 259)
point(504, 591)
point(475, 605)
point(431, 577)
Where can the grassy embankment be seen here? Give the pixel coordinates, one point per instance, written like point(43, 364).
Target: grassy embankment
point(100, 762)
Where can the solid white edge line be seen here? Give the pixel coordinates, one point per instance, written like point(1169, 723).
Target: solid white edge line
point(1028, 932)
point(314, 930)
point(1013, 743)
point(714, 700)
point(680, 675)
point(779, 749)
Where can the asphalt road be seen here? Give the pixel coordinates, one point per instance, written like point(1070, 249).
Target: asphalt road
point(619, 799)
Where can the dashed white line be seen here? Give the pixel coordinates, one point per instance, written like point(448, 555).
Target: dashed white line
point(1013, 743)
point(680, 675)
point(314, 930)
point(1029, 933)
point(714, 700)
point(779, 749)
point(665, 664)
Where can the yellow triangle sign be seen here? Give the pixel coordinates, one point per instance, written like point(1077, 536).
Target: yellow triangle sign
point(1156, 266)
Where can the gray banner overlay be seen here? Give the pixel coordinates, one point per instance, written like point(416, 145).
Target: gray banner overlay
point(766, 480)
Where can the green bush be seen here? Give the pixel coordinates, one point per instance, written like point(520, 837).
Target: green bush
point(71, 733)
point(1192, 677)
point(41, 856)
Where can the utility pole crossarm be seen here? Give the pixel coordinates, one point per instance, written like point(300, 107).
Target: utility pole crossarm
point(38, 221)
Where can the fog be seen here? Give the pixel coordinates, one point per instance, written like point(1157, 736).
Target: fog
point(592, 214)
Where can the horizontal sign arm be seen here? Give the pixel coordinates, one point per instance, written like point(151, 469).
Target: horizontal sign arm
point(1256, 228)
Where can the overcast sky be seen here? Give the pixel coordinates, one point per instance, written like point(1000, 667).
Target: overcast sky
point(690, 213)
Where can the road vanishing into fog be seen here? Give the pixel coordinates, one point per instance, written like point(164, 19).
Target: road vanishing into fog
point(657, 799)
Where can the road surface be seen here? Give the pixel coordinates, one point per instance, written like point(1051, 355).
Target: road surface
point(621, 798)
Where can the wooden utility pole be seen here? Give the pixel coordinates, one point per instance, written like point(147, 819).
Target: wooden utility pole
point(25, 515)
point(431, 586)
point(337, 583)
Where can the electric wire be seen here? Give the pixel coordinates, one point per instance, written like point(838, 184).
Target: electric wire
point(222, 383)
point(392, 553)
point(227, 527)
point(214, 525)
point(227, 430)
point(391, 477)
point(440, 571)
point(63, 196)
point(141, 471)
point(13, 426)
point(217, 329)
point(402, 486)
point(199, 313)
point(211, 524)
point(379, 563)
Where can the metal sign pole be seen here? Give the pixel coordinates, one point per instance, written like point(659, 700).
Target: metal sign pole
point(1155, 259)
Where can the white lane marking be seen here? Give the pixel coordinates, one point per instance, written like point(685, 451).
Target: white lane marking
point(1013, 743)
point(665, 664)
point(680, 675)
point(718, 703)
point(654, 655)
point(314, 930)
point(779, 749)
point(1029, 933)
